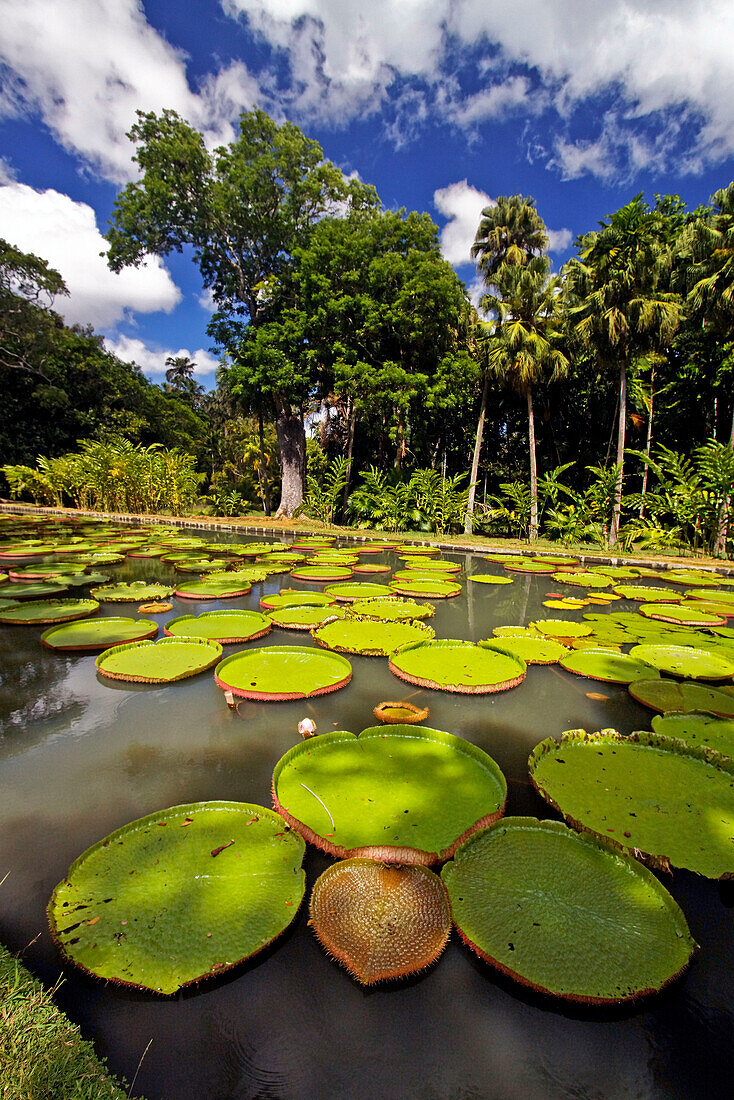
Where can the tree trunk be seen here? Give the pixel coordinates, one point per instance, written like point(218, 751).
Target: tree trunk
point(401, 443)
point(292, 451)
point(620, 451)
point(469, 518)
point(648, 443)
point(262, 473)
point(352, 424)
point(533, 469)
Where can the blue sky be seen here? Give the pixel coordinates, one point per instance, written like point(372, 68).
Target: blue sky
point(442, 104)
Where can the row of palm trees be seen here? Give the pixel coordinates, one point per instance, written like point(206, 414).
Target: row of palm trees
point(622, 298)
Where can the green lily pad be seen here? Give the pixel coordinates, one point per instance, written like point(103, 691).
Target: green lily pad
point(40, 571)
point(458, 665)
point(371, 568)
point(35, 612)
point(527, 565)
point(305, 618)
point(291, 597)
point(432, 565)
point(724, 596)
point(646, 593)
point(282, 672)
point(699, 580)
point(400, 794)
point(671, 802)
point(325, 574)
point(698, 729)
point(369, 637)
point(561, 628)
point(161, 662)
point(432, 589)
point(674, 613)
point(392, 608)
point(584, 578)
point(534, 650)
point(180, 895)
point(88, 635)
point(613, 668)
point(618, 572)
point(414, 550)
point(569, 604)
point(332, 557)
point(711, 607)
point(566, 914)
point(213, 589)
point(8, 603)
point(678, 660)
point(134, 592)
point(668, 695)
point(489, 578)
point(31, 590)
point(226, 627)
point(360, 590)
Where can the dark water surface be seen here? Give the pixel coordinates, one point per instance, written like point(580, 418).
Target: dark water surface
point(80, 757)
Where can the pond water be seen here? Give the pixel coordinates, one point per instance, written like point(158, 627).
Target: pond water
point(80, 757)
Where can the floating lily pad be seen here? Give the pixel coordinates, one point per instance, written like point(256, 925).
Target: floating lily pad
point(569, 604)
point(723, 596)
point(40, 571)
point(668, 695)
point(32, 590)
point(160, 662)
point(437, 590)
point(671, 802)
point(566, 914)
point(584, 578)
point(392, 608)
point(489, 578)
point(432, 565)
point(283, 672)
point(291, 597)
point(561, 628)
point(458, 665)
point(646, 593)
point(8, 603)
point(213, 589)
point(325, 574)
point(180, 895)
point(401, 794)
point(371, 568)
point(675, 613)
point(678, 660)
point(34, 612)
point(419, 575)
point(699, 580)
point(398, 714)
point(360, 590)
point(89, 635)
point(601, 664)
point(527, 565)
point(416, 549)
point(369, 637)
point(226, 627)
point(380, 922)
point(618, 572)
point(534, 650)
point(305, 618)
point(698, 729)
point(132, 593)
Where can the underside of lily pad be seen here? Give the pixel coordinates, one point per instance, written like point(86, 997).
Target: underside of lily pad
point(380, 922)
point(654, 797)
point(161, 662)
point(565, 913)
point(453, 664)
point(179, 896)
point(400, 794)
point(279, 673)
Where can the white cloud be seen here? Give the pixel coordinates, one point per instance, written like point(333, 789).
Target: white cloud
point(559, 239)
point(65, 234)
point(152, 361)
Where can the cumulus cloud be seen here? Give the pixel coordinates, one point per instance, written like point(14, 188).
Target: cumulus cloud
point(152, 361)
point(65, 234)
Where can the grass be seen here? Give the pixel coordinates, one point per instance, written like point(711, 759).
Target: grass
point(42, 1054)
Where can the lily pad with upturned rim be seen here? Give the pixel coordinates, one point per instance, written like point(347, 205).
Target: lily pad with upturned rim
point(612, 668)
point(33, 590)
point(279, 673)
point(533, 650)
point(90, 635)
point(668, 695)
point(36, 612)
point(359, 590)
point(305, 618)
point(561, 628)
point(135, 592)
point(162, 662)
point(369, 637)
point(323, 574)
point(453, 664)
point(400, 713)
point(213, 590)
point(179, 896)
point(435, 590)
point(685, 616)
point(292, 597)
point(401, 794)
point(432, 565)
point(698, 729)
point(489, 578)
point(678, 660)
point(584, 578)
point(670, 802)
point(647, 593)
point(393, 608)
point(226, 627)
point(565, 913)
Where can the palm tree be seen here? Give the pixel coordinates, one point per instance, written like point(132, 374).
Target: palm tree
point(510, 234)
point(618, 302)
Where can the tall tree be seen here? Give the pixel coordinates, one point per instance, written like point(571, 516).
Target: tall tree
point(28, 287)
point(619, 304)
point(243, 209)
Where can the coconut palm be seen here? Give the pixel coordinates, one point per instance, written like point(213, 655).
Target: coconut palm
point(619, 304)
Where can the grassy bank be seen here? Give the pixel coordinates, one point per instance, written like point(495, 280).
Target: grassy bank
point(42, 1054)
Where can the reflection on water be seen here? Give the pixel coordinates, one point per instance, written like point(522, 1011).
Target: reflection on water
point(80, 756)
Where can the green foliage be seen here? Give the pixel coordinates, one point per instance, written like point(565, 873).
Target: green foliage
point(440, 499)
point(322, 498)
point(427, 501)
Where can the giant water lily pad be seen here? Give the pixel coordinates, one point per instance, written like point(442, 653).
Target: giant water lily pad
point(429, 565)
point(370, 637)
point(489, 578)
point(325, 574)
point(213, 589)
point(565, 913)
point(370, 568)
point(668, 695)
point(394, 608)
point(431, 589)
point(401, 794)
point(90, 635)
point(527, 565)
point(33, 590)
point(35, 612)
point(282, 672)
point(180, 895)
point(671, 802)
point(226, 627)
point(160, 662)
point(360, 590)
point(561, 628)
point(698, 729)
point(306, 618)
point(647, 593)
point(134, 592)
point(675, 613)
point(614, 668)
point(457, 665)
point(585, 578)
point(291, 597)
point(679, 660)
point(534, 650)
point(380, 922)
